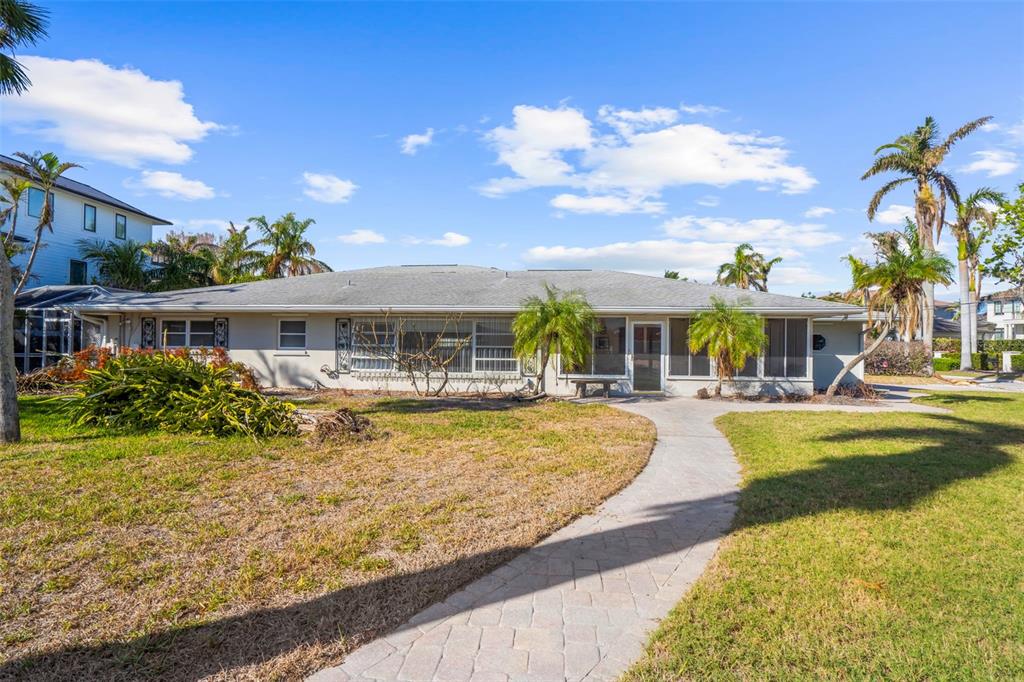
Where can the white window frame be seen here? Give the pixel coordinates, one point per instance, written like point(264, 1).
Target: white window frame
point(305, 334)
point(188, 331)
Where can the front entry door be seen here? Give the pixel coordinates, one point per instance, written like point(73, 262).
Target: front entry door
point(647, 357)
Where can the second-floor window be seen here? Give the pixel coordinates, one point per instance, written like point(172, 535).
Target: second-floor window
point(120, 226)
point(89, 219)
point(35, 202)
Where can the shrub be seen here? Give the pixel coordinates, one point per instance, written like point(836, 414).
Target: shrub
point(898, 358)
point(176, 392)
point(1017, 362)
point(946, 344)
point(945, 363)
point(1000, 345)
point(986, 361)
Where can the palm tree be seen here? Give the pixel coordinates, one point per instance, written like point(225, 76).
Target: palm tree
point(672, 274)
point(122, 265)
point(183, 261)
point(969, 211)
point(917, 157)
point(985, 228)
point(558, 322)
point(290, 253)
point(234, 258)
point(730, 334)
point(747, 270)
point(895, 286)
point(43, 170)
point(21, 23)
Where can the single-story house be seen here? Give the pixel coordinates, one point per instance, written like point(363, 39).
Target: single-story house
point(351, 329)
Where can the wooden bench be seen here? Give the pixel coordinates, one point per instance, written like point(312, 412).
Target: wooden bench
point(581, 386)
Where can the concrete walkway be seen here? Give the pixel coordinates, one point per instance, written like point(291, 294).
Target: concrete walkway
point(581, 604)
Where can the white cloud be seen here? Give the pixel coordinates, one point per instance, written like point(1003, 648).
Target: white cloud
point(896, 214)
point(694, 259)
point(448, 239)
point(362, 237)
point(759, 231)
point(171, 185)
point(708, 200)
point(994, 162)
point(701, 109)
point(197, 226)
point(607, 204)
point(329, 189)
point(1014, 132)
point(636, 154)
point(117, 115)
point(818, 212)
point(412, 143)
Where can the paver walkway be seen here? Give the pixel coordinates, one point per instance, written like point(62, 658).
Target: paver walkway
point(581, 604)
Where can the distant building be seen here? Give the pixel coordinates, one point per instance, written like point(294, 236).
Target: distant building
point(80, 212)
point(1005, 310)
point(947, 322)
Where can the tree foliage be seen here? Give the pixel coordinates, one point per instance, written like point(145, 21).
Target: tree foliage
point(21, 24)
point(558, 322)
point(1007, 261)
point(730, 335)
point(747, 270)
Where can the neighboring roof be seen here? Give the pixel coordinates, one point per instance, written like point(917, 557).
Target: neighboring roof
point(459, 288)
point(84, 190)
point(944, 327)
point(63, 294)
point(1008, 295)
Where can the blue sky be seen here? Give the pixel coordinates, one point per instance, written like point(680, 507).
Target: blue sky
point(637, 137)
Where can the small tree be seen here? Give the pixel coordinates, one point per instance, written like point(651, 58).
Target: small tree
point(894, 287)
point(730, 334)
point(423, 349)
point(748, 269)
point(555, 323)
point(122, 265)
point(1007, 261)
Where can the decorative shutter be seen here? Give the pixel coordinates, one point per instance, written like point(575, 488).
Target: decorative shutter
point(343, 344)
point(148, 334)
point(220, 332)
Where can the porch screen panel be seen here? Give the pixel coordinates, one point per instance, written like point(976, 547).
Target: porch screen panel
point(493, 348)
point(796, 348)
point(609, 349)
point(373, 344)
point(447, 341)
point(678, 345)
point(775, 358)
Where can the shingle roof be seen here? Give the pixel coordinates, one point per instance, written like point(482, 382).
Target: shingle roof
point(1008, 295)
point(89, 192)
point(459, 288)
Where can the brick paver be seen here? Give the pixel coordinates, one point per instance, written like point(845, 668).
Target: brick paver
point(581, 604)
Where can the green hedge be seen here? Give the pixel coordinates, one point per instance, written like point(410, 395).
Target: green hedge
point(948, 344)
point(946, 363)
point(1017, 362)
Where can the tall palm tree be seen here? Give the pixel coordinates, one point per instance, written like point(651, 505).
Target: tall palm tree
point(42, 170)
point(968, 212)
point(730, 334)
point(291, 254)
point(917, 158)
point(183, 261)
point(122, 265)
point(235, 258)
point(21, 24)
point(748, 269)
point(557, 322)
point(896, 283)
point(978, 238)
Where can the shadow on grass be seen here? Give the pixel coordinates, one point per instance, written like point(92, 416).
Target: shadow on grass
point(954, 399)
point(430, 405)
point(945, 450)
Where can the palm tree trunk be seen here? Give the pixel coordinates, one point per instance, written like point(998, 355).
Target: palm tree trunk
point(974, 320)
point(10, 421)
point(541, 371)
point(965, 313)
point(860, 357)
point(31, 259)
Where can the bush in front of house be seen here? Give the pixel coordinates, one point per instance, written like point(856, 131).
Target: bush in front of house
point(946, 363)
point(1017, 362)
point(946, 344)
point(176, 392)
point(986, 361)
point(899, 358)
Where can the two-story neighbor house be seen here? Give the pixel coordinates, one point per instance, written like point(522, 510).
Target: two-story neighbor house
point(1005, 309)
point(44, 329)
point(80, 212)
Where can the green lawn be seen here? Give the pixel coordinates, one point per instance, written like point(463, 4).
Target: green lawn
point(867, 546)
point(158, 556)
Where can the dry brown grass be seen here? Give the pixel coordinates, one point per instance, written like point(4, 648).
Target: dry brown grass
point(133, 556)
